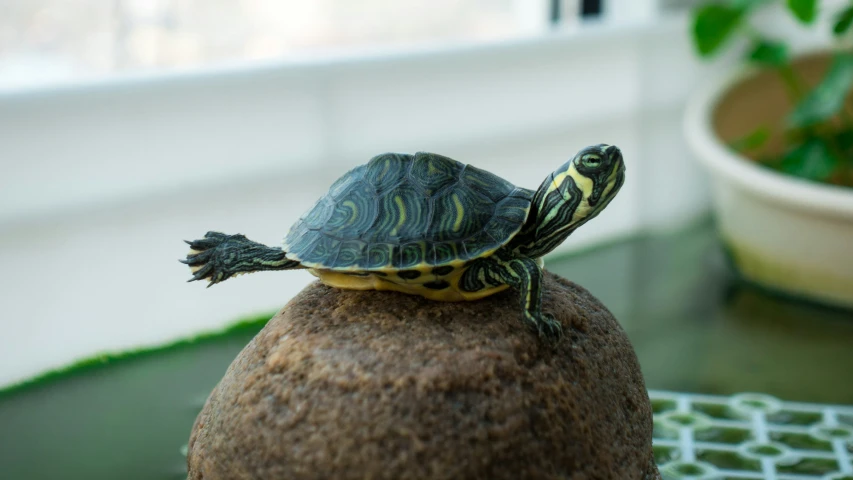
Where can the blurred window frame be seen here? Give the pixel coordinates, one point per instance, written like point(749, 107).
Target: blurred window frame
point(305, 116)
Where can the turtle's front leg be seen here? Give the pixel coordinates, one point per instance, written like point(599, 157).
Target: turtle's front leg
point(524, 275)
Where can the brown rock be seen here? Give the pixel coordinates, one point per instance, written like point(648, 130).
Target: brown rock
point(382, 385)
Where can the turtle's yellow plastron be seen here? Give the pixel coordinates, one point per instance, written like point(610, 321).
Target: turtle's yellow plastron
point(371, 281)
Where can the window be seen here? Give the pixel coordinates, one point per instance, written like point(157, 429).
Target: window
point(56, 41)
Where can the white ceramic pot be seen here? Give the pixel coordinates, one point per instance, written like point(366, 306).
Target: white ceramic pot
point(789, 235)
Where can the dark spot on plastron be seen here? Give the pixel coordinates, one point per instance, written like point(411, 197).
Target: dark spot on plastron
point(381, 274)
point(437, 285)
point(442, 271)
point(358, 274)
point(408, 274)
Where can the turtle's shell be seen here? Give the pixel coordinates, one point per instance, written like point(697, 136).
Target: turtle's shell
point(404, 211)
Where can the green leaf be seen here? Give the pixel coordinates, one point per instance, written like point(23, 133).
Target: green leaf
point(804, 10)
point(770, 53)
point(752, 140)
point(843, 140)
point(812, 160)
point(713, 25)
point(748, 3)
point(827, 98)
point(843, 21)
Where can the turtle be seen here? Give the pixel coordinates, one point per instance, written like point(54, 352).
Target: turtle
point(425, 224)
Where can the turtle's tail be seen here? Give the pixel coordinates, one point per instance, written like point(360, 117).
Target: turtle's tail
point(218, 257)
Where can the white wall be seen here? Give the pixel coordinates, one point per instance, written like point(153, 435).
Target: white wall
point(99, 184)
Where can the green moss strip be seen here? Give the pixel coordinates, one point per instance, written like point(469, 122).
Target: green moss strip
point(245, 325)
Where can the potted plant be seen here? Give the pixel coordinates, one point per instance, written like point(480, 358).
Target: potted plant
point(777, 138)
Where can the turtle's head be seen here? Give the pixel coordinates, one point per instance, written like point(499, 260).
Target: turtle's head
point(572, 195)
point(597, 171)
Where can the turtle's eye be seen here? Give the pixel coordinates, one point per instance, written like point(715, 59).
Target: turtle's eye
point(591, 161)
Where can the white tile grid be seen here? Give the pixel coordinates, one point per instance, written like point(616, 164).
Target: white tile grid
point(752, 409)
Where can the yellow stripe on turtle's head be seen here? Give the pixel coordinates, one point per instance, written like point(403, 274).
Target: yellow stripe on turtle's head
point(598, 171)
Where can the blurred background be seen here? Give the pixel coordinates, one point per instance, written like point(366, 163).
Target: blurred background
point(127, 126)
point(55, 42)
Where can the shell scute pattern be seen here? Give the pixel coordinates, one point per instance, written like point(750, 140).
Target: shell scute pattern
point(433, 173)
point(492, 186)
point(318, 215)
point(513, 209)
point(386, 171)
point(399, 216)
point(464, 212)
point(324, 249)
point(479, 244)
point(411, 255)
point(499, 227)
point(443, 253)
point(408, 212)
point(354, 212)
point(352, 252)
point(378, 256)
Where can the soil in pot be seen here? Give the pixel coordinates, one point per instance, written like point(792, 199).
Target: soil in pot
point(764, 101)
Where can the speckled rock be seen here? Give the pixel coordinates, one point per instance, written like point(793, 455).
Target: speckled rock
point(382, 385)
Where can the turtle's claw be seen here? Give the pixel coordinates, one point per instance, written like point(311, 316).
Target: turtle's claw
point(218, 276)
point(546, 326)
point(204, 270)
point(202, 258)
point(211, 240)
point(550, 328)
point(196, 258)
